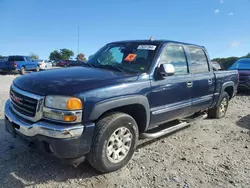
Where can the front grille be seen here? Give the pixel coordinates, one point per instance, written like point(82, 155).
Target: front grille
point(23, 104)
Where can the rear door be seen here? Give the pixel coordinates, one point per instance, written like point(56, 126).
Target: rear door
point(170, 97)
point(203, 84)
point(29, 64)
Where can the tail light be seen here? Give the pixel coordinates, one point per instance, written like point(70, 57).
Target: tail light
point(15, 65)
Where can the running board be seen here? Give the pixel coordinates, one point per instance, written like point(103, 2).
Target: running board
point(165, 131)
point(195, 118)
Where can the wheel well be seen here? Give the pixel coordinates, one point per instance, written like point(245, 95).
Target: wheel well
point(137, 111)
point(230, 91)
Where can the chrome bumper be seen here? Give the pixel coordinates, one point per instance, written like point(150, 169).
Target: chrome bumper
point(41, 127)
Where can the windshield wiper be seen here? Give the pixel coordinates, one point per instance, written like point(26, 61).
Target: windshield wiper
point(89, 64)
point(113, 67)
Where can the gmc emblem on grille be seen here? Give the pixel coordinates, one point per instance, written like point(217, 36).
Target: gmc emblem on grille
point(16, 99)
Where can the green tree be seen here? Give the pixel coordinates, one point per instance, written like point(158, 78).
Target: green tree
point(247, 56)
point(34, 56)
point(81, 57)
point(55, 55)
point(66, 53)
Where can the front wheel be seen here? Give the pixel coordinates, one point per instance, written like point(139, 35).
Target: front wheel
point(37, 68)
point(220, 110)
point(114, 142)
point(22, 71)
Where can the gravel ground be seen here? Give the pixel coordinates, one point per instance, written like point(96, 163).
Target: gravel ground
point(210, 153)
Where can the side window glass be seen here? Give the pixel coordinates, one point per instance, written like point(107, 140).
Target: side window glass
point(28, 59)
point(199, 62)
point(175, 55)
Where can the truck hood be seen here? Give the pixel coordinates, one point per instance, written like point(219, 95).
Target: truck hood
point(70, 81)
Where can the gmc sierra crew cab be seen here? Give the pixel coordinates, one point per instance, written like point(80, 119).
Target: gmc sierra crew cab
point(129, 88)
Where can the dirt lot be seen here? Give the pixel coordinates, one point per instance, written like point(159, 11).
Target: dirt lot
point(210, 153)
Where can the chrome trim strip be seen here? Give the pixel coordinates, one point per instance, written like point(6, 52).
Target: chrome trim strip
point(175, 107)
point(182, 105)
point(42, 127)
point(202, 99)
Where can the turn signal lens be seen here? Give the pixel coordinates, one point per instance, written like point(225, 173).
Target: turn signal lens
point(69, 118)
point(74, 104)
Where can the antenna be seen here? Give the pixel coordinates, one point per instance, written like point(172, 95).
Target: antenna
point(78, 40)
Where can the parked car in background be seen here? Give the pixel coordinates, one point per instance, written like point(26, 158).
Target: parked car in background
point(243, 67)
point(76, 63)
point(127, 88)
point(64, 63)
point(216, 65)
point(3, 59)
point(53, 63)
point(20, 64)
point(44, 64)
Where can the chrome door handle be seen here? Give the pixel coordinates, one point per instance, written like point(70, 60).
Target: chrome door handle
point(189, 84)
point(209, 81)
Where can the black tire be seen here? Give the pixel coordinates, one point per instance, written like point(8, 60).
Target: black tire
point(38, 68)
point(105, 127)
point(22, 71)
point(217, 111)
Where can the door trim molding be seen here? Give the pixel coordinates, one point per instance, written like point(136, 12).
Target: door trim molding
point(171, 107)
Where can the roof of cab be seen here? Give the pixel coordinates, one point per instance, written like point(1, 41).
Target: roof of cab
point(157, 42)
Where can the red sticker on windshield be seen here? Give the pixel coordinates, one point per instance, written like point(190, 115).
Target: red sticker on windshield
point(130, 57)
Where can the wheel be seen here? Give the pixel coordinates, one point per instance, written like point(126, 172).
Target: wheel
point(220, 110)
point(22, 71)
point(114, 142)
point(37, 68)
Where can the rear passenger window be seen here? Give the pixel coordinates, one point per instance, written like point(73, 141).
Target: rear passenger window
point(175, 55)
point(199, 62)
point(16, 58)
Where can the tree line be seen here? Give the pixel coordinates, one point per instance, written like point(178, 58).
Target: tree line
point(225, 63)
point(65, 54)
point(62, 54)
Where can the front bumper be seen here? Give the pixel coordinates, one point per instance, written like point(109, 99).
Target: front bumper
point(63, 141)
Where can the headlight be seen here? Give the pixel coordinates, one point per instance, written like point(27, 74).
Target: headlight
point(63, 109)
point(63, 103)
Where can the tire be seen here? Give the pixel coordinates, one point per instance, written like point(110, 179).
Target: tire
point(22, 71)
point(107, 132)
point(37, 68)
point(220, 110)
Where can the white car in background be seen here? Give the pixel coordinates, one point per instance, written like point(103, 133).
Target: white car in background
point(44, 64)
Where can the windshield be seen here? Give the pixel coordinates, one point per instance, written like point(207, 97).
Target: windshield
point(243, 64)
point(125, 57)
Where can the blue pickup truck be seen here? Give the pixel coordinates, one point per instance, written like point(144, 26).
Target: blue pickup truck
point(129, 88)
point(19, 64)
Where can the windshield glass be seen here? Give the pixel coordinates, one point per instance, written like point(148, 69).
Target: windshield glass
point(241, 64)
point(130, 57)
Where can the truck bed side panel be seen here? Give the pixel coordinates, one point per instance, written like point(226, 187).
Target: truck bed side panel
point(224, 79)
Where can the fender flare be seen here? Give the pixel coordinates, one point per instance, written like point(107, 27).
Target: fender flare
point(224, 86)
point(110, 104)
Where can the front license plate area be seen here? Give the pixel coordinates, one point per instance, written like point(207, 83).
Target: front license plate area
point(10, 128)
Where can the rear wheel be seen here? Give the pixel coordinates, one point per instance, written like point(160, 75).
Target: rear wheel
point(114, 142)
point(38, 68)
point(220, 110)
point(22, 71)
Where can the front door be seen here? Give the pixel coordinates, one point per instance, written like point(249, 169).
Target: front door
point(170, 97)
point(203, 85)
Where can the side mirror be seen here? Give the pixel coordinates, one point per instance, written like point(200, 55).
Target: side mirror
point(167, 69)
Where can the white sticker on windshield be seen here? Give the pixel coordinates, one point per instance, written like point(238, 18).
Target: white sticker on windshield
point(146, 47)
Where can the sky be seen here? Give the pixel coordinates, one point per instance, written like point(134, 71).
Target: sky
point(41, 26)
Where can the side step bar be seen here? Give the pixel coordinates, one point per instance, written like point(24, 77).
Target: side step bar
point(165, 131)
point(185, 123)
point(196, 118)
